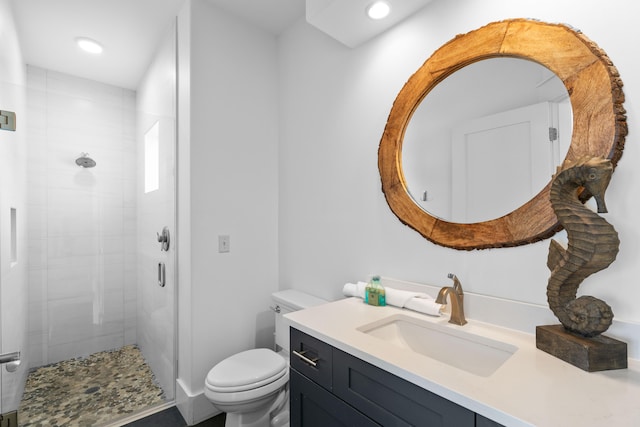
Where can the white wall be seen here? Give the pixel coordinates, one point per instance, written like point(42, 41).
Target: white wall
point(334, 223)
point(227, 186)
point(13, 186)
point(81, 264)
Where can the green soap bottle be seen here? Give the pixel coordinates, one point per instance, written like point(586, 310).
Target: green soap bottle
point(374, 293)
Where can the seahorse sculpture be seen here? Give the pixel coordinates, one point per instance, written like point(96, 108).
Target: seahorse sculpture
point(592, 246)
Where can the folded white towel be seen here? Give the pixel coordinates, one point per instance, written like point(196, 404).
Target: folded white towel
point(424, 305)
point(399, 298)
point(354, 289)
point(415, 301)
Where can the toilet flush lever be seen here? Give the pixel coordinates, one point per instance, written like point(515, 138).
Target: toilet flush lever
point(163, 239)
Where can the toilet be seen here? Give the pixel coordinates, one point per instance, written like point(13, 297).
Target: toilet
point(252, 386)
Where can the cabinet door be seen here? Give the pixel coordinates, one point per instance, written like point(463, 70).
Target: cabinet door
point(313, 406)
point(390, 400)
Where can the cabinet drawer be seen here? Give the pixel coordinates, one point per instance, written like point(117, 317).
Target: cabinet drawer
point(311, 357)
point(313, 406)
point(390, 400)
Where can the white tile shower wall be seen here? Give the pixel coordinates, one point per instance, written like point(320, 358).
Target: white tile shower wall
point(82, 274)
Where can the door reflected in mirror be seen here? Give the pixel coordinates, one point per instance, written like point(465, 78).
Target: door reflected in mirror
point(486, 139)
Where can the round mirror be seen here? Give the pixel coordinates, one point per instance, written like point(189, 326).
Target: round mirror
point(493, 117)
point(598, 129)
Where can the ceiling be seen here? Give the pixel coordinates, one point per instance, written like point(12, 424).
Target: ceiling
point(128, 29)
point(347, 22)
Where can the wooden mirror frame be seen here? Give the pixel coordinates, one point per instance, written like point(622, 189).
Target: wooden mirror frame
point(599, 124)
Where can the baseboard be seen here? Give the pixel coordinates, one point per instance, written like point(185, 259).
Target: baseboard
point(194, 407)
point(518, 315)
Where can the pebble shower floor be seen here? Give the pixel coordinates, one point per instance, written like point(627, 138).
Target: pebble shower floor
point(89, 391)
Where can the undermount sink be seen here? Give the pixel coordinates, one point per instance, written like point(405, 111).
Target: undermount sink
point(473, 353)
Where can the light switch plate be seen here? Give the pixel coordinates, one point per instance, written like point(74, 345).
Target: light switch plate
point(224, 244)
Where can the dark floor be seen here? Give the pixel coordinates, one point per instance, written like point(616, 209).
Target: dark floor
point(171, 418)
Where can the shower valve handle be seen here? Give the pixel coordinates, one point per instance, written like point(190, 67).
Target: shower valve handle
point(164, 239)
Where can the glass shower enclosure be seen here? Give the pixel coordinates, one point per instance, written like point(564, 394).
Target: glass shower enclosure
point(13, 238)
point(87, 268)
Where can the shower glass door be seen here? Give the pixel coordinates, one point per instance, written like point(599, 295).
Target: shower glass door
point(156, 124)
point(13, 259)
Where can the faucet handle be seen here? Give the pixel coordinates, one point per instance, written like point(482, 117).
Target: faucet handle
point(456, 296)
point(457, 286)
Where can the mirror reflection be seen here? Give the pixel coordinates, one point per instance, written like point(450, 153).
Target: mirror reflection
point(486, 139)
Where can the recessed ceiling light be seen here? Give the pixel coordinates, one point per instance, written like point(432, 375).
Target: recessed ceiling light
point(89, 45)
point(378, 10)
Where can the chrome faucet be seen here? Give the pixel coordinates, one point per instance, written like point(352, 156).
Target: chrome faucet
point(456, 295)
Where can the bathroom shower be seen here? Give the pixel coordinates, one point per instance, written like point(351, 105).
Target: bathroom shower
point(80, 267)
point(94, 297)
point(85, 161)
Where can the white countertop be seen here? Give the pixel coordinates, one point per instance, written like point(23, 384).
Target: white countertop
point(532, 388)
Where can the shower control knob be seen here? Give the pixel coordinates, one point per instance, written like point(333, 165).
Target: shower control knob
point(163, 239)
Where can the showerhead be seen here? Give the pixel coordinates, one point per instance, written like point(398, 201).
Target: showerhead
point(85, 161)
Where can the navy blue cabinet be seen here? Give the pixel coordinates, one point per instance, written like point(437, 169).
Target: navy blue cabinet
point(314, 406)
point(332, 388)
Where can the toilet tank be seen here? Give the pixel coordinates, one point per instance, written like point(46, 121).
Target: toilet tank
point(285, 302)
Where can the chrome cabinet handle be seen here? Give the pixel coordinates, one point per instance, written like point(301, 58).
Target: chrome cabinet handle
point(301, 355)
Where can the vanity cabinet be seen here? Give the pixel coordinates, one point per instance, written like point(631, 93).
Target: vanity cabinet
point(329, 387)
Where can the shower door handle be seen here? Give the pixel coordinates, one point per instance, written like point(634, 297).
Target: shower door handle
point(161, 274)
point(11, 360)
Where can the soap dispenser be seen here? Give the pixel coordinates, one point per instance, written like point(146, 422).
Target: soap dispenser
point(374, 293)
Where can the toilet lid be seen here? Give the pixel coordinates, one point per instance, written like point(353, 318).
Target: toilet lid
point(246, 370)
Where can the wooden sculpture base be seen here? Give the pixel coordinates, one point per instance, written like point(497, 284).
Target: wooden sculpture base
point(599, 353)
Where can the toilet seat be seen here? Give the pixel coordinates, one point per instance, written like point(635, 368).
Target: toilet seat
point(246, 371)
